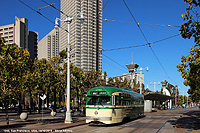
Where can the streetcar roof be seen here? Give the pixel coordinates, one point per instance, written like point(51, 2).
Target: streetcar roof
point(110, 90)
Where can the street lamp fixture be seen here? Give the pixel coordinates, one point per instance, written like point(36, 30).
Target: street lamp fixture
point(141, 69)
point(56, 25)
point(68, 118)
point(155, 85)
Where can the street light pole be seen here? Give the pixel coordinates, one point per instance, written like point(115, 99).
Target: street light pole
point(68, 118)
point(155, 85)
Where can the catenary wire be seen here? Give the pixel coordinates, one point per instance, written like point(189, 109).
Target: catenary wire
point(141, 44)
point(105, 4)
point(114, 66)
point(142, 23)
point(114, 61)
point(36, 11)
point(135, 21)
point(40, 14)
point(124, 47)
point(159, 61)
point(166, 38)
point(54, 7)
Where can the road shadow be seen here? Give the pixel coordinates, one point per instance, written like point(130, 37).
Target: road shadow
point(189, 120)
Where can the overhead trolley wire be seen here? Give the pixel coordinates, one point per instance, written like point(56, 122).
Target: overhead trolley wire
point(114, 61)
point(114, 66)
point(54, 7)
point(166, 38)
point(105, 4)
point(125, 47)
point(141, 44)
point(36, 11)
point(135, 21)
point(142, 23)
point(41, 14)
point(159, 61)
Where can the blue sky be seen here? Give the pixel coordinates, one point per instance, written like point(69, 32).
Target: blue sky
point(120, 34)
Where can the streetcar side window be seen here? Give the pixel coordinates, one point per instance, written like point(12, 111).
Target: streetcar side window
point(117, 100)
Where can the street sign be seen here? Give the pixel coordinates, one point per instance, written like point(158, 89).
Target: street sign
point(43, 97)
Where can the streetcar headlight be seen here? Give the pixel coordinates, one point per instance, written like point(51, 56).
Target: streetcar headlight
point(96, 113)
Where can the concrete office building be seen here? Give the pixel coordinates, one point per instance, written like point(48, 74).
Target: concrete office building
point(48, 47)
point(18, 33)
point(85, 38)
point(33, 44)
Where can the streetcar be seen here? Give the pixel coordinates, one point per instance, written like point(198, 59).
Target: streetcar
point(109, 105)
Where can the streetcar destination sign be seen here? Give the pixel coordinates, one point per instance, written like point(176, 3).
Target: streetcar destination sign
point(97, 92)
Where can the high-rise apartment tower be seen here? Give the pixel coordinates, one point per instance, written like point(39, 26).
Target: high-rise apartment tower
point(85, 38)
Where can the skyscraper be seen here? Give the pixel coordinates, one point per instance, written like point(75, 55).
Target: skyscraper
point(18, 33)
point(33, 44)
point(48, 47)
point(85, 38)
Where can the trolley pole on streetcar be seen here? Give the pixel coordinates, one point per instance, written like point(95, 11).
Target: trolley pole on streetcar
point(68, 118)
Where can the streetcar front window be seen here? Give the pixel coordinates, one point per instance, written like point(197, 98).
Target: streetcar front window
point(102, 100)
point(93, 101)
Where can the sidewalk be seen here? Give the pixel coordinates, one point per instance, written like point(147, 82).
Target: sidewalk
point(187, 123)
point(47, 124)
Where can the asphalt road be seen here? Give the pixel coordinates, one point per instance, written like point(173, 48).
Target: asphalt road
point(156, 122)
